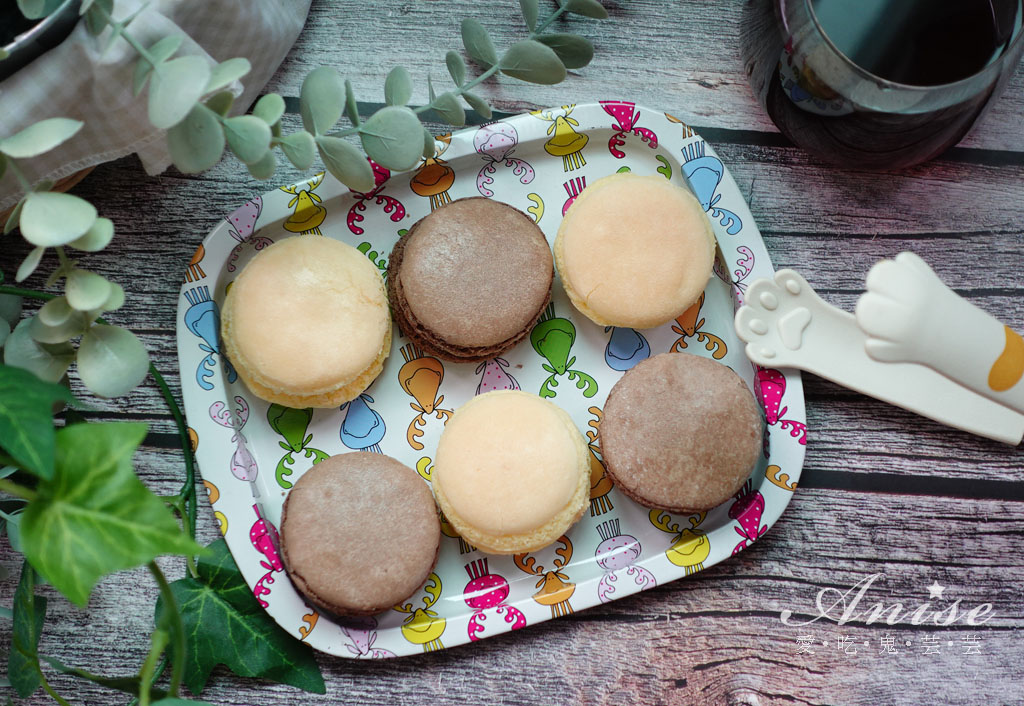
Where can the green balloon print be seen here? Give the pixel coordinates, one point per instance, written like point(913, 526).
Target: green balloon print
point(292, 425)
point(552, 338)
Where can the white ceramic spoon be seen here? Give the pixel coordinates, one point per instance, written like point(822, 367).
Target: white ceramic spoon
point(785, 323)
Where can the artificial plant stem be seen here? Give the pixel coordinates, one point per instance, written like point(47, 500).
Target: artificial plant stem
point(132, 41)
point(23, 181)
point(18, 491)
point(178, 644)
point(158, 643)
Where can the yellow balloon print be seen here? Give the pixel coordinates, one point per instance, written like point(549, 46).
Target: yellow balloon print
point(691, 547)
point(424, 626)
point(537, 209)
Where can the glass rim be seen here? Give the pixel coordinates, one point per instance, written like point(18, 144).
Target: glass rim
point(993, 67)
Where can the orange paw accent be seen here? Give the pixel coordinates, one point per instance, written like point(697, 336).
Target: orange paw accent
point(1009, 366)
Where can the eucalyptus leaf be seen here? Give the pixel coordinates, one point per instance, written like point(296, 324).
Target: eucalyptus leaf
point(264, 169)
point(111, 361)
point(393, 138)
point(26, 418)
point(55, 312)
point(478, 104)
point(160, 52)
point(456, 67)
point(10, 308)
point(429, 146)
point(40, 137)
point(12, 220)
point(96, 21)
point(96, 517)
point(47, 362)
point(447, 106)
point(51, 218)
point(269, 108)
point(430, 89)
point(219, 602)
point(478, 43)
point(300, 149)
point(29, 617)
point(248, 137)
point(99, 235)
point(321, 100)
point(3, 164)
point(86, 290)
point(397, 86)
point(587, 8)
point(42, 333)
point(532, 61)
point(29, 264)
point(227, 72)
point(529, 8)
point(196, 143)
point(175, 88)
point(5, 331)
point(574, 51)
point(351, 107)
point(37, 9)
point(116, 298)
point(220, 103)
point(346, 163)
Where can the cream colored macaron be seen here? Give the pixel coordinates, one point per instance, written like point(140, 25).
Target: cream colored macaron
point(306, 323)
point(634, 251)
point(512, 472)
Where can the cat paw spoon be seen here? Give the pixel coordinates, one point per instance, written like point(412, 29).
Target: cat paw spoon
point(785, 323)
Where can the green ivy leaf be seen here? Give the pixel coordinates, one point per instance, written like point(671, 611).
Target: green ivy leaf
point(264, 169)
point(300, 149)
point(47, 362)
point(227, 72)
point(219, 603)
point(220, 103)
point(321, 100)
point(351, 107)
point(456, 67)
point(29, 615)
point(111, 360)
point(269, 108)
point(86, 290)
point(248, 137)
point(40, 137)
point(51, 218)
point(197, 142)
point(448, 107)
point(574, 51)
point(531, 61)
point(392, 137)
point(346, 163)
point(478, 43)
point(176, 86)
point(397, 86)
point(478, 104)
point(96, 517)
point(161, 51)
point(587, 8)
point(26, 418)
point(99, 235)
point(29, 264)
point(529, 9)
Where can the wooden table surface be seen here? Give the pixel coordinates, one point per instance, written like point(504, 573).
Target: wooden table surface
point(883, 491)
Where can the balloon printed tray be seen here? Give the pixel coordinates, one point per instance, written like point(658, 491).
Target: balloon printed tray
point(250, 452)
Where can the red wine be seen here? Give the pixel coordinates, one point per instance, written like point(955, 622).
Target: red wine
point(879, 84)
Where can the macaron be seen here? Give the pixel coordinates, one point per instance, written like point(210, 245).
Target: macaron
point(680, 433)
point(470, 280)
point(306, 323)
point(512, 472)
point(634, 251)
point(359, 533)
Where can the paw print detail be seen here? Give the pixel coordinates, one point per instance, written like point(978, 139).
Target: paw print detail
point(775, 319)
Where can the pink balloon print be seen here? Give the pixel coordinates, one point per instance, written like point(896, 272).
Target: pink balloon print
point(494, 376)
point(626, 116)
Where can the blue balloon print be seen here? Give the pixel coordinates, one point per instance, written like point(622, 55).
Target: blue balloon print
point(625, 348)
point(363, 428)
point(203, 319)
point(705, 174)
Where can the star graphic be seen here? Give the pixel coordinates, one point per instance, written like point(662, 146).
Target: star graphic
point(935, 590)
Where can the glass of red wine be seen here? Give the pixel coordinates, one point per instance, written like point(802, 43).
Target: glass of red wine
point(879, 84)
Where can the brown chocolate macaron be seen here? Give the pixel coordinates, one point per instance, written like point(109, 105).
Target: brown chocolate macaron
point(470, 280)
point(680, 433)
point(359, 533)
